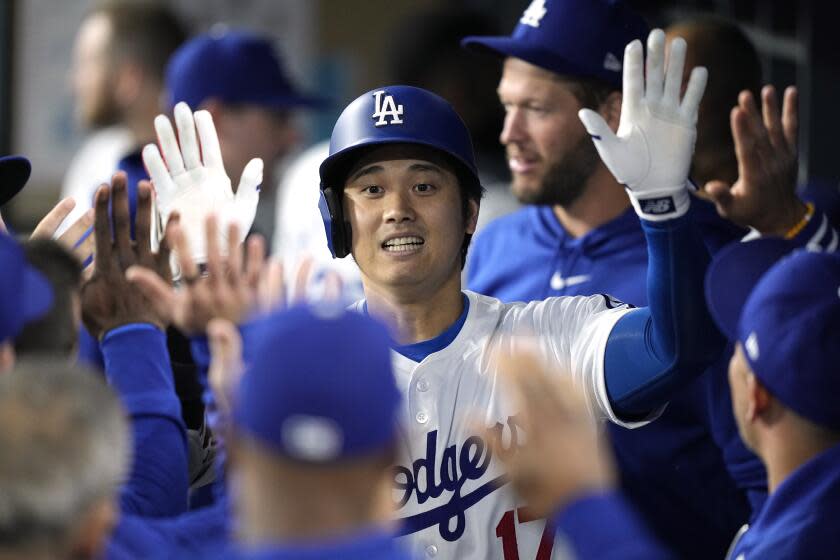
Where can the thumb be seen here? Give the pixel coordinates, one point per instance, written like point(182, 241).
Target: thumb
point(597, 128)
point(248, 194)
point(719, 192)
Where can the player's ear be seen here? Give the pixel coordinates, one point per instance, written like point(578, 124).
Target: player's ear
point(473, 206)
point(610, 110)
point(759, 400)
point(7, 357)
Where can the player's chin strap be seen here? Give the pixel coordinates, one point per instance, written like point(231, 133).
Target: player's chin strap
point(676, 332)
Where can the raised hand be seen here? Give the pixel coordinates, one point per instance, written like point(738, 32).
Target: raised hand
point(193, 181)
point(232, 289)
point(564, 455)
point(652, 150)
point(764, 196)
point(78, 239)
point(108, 299)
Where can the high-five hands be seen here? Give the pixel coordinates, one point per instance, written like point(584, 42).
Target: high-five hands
point(193, 181)
point(563, 455)
point(764, 196)
point(233, 289)
point(108, 299)
point(652, 150)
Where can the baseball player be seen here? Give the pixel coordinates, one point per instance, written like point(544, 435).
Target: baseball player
point(402, 194)
point(578, 235)
point(785, 324)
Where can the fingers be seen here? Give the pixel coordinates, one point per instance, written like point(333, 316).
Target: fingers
point(186, 134)
point(272, 287)
point(168, 146)
point(655, 65)
point(214, 258)
point(143, 219)
point(248, 194)
point(177, 239)
point(747, 104)
point(78, 233)
point(694, 93)
point(745, 139)
point(302, 280)
point(121, 217)
point(157, 170)
point(597, 127)
point(225, 360)
point(102, 228)
point(210, 150)
point(47, 227)
point(721, 195)
point(790, 117)
point(772, 118)
point(84, 248)
point(164, 253)
point(633, 80)
point(674, 73)
point(255, 262)
point(234, 252)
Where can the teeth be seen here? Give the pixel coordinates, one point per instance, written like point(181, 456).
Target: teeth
point(402, 244)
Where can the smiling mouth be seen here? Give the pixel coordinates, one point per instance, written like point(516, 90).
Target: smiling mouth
point(403, 244)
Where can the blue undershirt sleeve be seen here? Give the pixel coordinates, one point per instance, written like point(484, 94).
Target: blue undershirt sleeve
point(653, 351)
point(137, 367)
point(604, 527)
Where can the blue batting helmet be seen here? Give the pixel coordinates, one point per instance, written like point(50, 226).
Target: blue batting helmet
point(391, 115)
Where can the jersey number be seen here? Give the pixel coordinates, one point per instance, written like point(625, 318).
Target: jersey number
point(506, 530)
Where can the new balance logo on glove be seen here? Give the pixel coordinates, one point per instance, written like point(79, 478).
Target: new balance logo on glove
point(657, 206)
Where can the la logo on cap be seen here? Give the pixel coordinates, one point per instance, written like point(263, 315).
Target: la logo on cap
point(386, 107)
point(534, 13)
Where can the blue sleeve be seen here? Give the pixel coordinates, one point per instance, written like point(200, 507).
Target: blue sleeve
point(653, 351)
point(137, 367)
point(818, 234)
point(89, 352)
point(194, 534)
point(603, 527)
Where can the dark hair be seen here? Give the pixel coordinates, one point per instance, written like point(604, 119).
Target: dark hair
point(56, 333)
point(733, 64)
point(146, 32)
point(591, 93)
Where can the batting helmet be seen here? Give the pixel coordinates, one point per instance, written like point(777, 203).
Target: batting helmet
point(391, 115)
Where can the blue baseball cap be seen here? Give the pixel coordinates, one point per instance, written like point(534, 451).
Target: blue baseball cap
point(320, 386)
point(14, 173)
point(235, 67)
point(25, 294)
point(581, 38)
point(784, 309)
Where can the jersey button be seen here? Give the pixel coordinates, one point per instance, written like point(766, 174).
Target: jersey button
point(422, 417)
point(431, 551)
point(423, 385)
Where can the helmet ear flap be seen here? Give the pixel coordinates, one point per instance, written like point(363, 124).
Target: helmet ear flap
point(335, 226)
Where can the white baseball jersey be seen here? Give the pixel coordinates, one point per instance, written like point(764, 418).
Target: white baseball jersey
point(446, 482)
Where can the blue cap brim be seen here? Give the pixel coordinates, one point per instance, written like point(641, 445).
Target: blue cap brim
point(504, 46)
point(14, 173)
point(37, 295)
point(733, 274)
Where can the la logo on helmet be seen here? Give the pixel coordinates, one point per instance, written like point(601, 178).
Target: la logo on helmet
point(386, 107)
point(534, 13)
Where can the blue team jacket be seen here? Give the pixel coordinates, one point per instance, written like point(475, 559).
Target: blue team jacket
point(672, 470)
point(801, 519)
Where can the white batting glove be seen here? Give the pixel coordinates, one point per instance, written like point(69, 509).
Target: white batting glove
point(193, 180)
point(651, 154)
